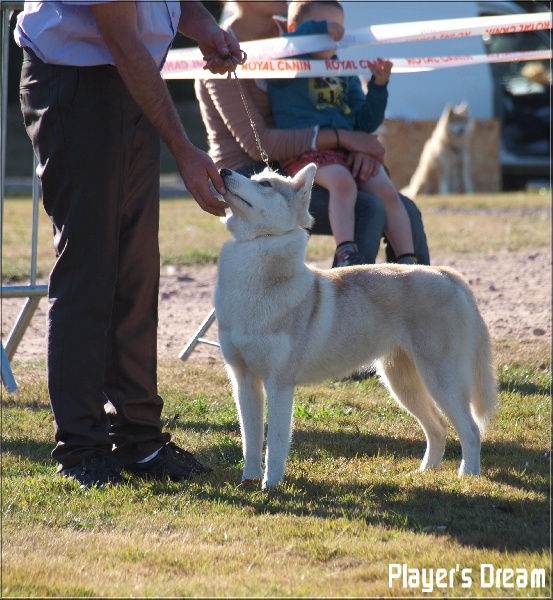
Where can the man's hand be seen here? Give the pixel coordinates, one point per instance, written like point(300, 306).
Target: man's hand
point(381, 70)
point(220, 49)
point(197, 169)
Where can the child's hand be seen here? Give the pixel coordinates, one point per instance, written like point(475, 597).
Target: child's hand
point(335, 30)
point(381, 70)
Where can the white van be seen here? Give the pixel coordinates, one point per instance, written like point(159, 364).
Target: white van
point(492, 91)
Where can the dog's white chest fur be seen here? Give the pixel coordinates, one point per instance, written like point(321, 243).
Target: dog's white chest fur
point(257, 301)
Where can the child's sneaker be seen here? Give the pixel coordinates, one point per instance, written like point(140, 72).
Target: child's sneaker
point(407, 259)
point(347, 255)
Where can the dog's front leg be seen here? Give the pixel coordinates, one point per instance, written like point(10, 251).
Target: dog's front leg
point(248, 393)
point(280, 402)
point(467, 177)
point(444, 178)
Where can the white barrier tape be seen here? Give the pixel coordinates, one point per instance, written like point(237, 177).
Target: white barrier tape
point(283, 47)
point(289, 69)
point(414, 64)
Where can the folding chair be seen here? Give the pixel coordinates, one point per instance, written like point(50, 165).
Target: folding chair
point(32, 292)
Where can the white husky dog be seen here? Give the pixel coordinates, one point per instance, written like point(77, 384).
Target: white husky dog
point(280, 325)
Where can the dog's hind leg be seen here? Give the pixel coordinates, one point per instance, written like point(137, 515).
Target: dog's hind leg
point(249, 396)
point(451, 389)
point(280, 403)
point(402, 379)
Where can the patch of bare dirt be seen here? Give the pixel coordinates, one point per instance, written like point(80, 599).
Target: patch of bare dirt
point(513, 291)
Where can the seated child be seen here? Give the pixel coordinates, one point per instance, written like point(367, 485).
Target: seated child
point(339, 103)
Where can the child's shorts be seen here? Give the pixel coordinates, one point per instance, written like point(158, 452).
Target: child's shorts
point(319, 157)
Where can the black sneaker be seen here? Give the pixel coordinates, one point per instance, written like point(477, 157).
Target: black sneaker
point(95, 471)
point(407, 259)
point(347, 255)
point(172, 462)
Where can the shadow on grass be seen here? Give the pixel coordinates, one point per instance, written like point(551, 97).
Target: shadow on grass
point(230, 426)
point(39, 452)
point(483, 521)
point(14, 401)
point(525, 388)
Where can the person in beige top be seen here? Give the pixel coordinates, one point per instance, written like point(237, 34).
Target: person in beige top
point(232, 142)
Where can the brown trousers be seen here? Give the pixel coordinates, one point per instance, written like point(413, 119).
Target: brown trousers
point(98, 162)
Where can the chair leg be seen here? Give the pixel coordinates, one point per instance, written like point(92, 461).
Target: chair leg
point(7, 376)
point(197, 337)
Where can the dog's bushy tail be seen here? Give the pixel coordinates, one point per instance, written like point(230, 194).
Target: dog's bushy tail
point(484, 387)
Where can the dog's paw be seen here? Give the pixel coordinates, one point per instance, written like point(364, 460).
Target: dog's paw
point(269, 484)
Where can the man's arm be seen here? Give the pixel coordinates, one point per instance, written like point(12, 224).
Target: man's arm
point(117, 23)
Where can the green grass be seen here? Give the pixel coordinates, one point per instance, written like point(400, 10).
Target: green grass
point(353, 502)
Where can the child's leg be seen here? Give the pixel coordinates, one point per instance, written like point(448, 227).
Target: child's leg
point(398, 225)
point(342, 192)
point(342, 196)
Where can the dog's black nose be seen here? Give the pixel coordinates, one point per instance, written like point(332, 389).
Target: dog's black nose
point(225, 172)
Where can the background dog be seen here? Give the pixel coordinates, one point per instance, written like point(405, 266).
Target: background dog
point(444, 166)
point(282, 323)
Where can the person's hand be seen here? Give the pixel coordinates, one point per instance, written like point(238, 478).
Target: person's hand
point(363, 166)
point(220, 50)
point(381, 70)
point(335, 30)
point(197, 170)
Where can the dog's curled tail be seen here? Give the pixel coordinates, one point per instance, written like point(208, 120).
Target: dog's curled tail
point(484, 390)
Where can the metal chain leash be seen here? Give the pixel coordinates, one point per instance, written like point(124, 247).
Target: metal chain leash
point(262, 151)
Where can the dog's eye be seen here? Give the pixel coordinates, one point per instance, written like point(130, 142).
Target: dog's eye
point(265, 183)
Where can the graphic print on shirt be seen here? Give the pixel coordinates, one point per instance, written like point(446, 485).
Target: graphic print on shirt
point(329, 92)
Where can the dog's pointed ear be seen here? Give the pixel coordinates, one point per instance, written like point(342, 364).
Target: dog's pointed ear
point(304, 178)
point(461, 108)
point(303, 181)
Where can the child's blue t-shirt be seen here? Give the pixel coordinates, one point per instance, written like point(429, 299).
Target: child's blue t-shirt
point(329, 102)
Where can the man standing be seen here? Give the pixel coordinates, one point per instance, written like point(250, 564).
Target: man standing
point(95, 106)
